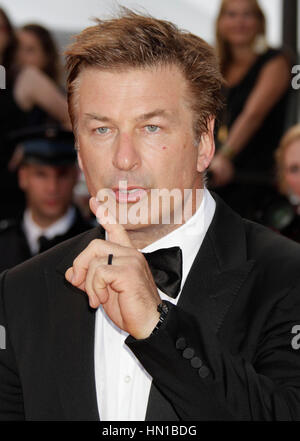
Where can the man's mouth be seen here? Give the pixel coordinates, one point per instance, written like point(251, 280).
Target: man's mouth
point(52, 202)
point(130, 194)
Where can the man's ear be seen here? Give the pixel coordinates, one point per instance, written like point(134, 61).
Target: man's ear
point(206, 147)
point(22, 177)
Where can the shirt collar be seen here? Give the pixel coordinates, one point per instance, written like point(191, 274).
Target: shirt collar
point(34, 231)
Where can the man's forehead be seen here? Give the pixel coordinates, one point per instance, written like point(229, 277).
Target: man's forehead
point(138, 91)
point(168, 114)
point(151, 82)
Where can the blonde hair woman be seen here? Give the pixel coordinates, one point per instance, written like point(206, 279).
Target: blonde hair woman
point(288, 164)
point(257, 81)
point(283, 213)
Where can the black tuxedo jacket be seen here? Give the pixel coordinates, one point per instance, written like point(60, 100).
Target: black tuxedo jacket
point(227, 351)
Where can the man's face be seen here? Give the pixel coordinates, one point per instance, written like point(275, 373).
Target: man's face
point(136, 126)
point(48, 189)
point(292, 167)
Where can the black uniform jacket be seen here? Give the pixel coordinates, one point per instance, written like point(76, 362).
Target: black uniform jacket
point(228, 351)
point(14, 248)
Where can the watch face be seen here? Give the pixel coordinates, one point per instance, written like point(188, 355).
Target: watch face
point(163, 308)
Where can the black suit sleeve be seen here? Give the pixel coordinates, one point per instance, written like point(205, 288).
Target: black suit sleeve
point(203, 380)
point(11, 399)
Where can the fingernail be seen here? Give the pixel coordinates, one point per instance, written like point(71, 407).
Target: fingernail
point(93, 302)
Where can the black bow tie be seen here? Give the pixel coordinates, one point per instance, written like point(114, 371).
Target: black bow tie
point(45, 244)
point(166, 267)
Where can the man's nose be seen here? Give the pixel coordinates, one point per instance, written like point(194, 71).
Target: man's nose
point(52, 185)
point(126, 156)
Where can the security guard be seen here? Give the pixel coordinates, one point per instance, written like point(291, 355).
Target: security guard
point(47, 175)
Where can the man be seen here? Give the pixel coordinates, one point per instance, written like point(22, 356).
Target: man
point(214, 337)
point(47, 176)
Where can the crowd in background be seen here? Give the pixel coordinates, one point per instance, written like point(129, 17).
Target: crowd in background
point(256, 168)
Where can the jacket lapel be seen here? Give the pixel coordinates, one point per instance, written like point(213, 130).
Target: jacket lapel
point(219, 270)
point(72, 330)
point(229, 267)
point(210, 290)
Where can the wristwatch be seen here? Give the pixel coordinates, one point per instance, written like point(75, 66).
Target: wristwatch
point(163, 308)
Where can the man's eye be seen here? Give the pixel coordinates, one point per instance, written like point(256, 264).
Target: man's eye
point(152, 128)
point(102, 130)
point(293, 168)
point(230, 14)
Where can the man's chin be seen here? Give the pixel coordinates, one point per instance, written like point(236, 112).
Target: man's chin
point(136, 227)
point(52, 212)
point(140, 223)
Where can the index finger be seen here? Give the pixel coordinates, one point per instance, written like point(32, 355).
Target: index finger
point(116, 232)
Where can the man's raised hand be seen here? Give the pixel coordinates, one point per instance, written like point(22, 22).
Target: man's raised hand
point(125, 289)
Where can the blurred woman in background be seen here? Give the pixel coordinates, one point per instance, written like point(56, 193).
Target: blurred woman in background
point(38, 48)
point(257, 79)
point(26, 88)
point(283, 213)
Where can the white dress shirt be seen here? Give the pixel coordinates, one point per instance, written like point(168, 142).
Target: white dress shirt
point(122, 384)
point(33, 231)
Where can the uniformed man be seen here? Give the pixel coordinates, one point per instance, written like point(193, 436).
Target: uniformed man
point(47, 175)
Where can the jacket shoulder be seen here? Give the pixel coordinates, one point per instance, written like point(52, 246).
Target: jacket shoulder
point(272, 250)
point(8, 225)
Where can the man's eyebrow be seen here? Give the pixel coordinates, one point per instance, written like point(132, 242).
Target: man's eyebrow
point(158, 112)
point(90, 116)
